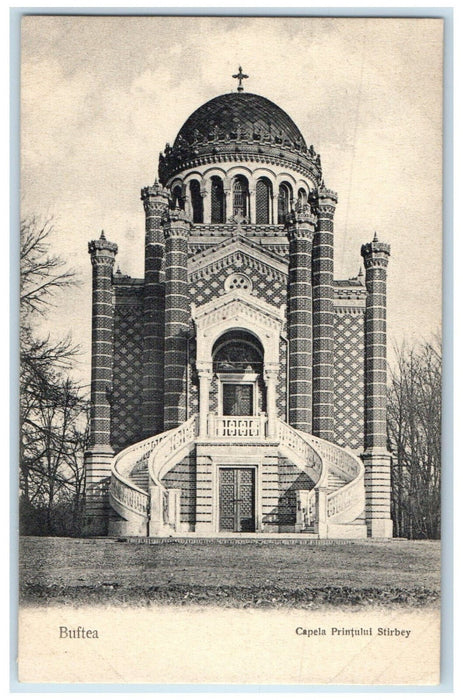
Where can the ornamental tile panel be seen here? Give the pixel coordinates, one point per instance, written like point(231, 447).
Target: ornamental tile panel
point(126, 399)
point(348, 380)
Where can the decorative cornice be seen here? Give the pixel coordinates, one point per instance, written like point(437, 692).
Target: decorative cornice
point(235, 301)
point(310, 168)
point(155, 199)
point(324, 201)
point(375, 254)
point(267, 230)
point(176, 223)
point(244, 243)
point(301, 214)
point(102, 252)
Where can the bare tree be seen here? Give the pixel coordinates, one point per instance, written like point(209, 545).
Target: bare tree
point(414, 431)
point(52, 408)
point(42, 275)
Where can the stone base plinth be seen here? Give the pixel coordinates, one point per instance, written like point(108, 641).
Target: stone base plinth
point(379, 528)
point(97, 462)
point(377, 463)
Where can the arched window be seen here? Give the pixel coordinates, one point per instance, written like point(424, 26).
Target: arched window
point(196, 202)
point(217, 201)
point(240, 196)
point(285, 196)
point(263, 195)
point(302, 196)
point(177, 197)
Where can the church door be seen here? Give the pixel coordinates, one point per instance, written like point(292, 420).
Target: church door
point(237, 399)
point(237, 499)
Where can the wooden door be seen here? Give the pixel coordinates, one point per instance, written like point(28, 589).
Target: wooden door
point(237, 499)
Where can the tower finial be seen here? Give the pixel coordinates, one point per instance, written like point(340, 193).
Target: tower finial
point(102, 237)
point(240, 76)
point(375, 238)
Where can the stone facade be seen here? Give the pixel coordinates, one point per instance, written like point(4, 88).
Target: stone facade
point(240, 343)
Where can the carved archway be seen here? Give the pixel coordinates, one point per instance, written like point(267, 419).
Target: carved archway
point(237, 311)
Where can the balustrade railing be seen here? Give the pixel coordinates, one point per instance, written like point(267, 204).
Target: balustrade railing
point(334, 459)
point(171, 442)
point(301, 444)
point(305, 514)
point(124, 493)
point(236, 426)
point(345, 498)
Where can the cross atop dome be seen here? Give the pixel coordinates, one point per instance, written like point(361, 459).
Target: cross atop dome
point(240, 76)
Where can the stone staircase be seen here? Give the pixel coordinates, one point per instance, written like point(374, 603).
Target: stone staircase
point(143, 505)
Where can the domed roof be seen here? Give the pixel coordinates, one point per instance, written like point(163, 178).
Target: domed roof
point(238, 126)
point(236, 111)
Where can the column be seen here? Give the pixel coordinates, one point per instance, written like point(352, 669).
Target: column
point(228, 202)
point(324, 202)
point(99, 455)
point(176, 228)
point(205, 376)
point(376, 458)
point(155, 201)
point(274, 213)
point(206, 195)
point(301, 225)
point(271, 376)
point(252, 206)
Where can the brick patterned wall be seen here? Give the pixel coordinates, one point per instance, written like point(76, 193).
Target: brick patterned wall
point(127, 404)
point(348, 379)
point(183, 476)
point(271, 287)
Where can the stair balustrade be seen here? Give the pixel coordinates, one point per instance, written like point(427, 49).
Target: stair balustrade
point(237, 426)
point(165, 503)
point(344, 504)
point(129, 501)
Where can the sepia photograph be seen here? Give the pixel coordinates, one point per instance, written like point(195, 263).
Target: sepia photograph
point(230, 245)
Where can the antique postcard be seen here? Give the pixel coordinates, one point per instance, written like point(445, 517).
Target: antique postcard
point(230, 328)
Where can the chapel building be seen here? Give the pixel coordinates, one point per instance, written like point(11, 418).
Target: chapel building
point(237, 387)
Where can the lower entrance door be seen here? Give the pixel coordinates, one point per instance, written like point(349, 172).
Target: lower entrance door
point(237, 499)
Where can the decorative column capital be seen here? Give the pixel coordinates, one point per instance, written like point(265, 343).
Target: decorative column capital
point(324, 200)
point(375, 254)
point(176, 223)
point(204, 369)
point(155, 198)
point(300, 223)
point(271, 372)
point(102, 252)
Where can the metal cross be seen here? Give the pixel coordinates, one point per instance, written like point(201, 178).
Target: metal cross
point(240, 76)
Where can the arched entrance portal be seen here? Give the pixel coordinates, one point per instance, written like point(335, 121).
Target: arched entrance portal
point(238, 361)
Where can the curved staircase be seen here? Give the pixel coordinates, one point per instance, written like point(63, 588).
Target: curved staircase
point(142, 505)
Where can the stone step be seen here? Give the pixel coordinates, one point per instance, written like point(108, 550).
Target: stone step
point(140, 479)
point(335, 482)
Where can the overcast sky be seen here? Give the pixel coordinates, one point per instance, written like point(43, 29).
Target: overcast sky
point(102, 96)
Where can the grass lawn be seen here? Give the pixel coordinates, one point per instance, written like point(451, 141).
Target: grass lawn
point(253, 574)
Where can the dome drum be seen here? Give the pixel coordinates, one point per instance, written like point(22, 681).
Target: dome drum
point(239, 127)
